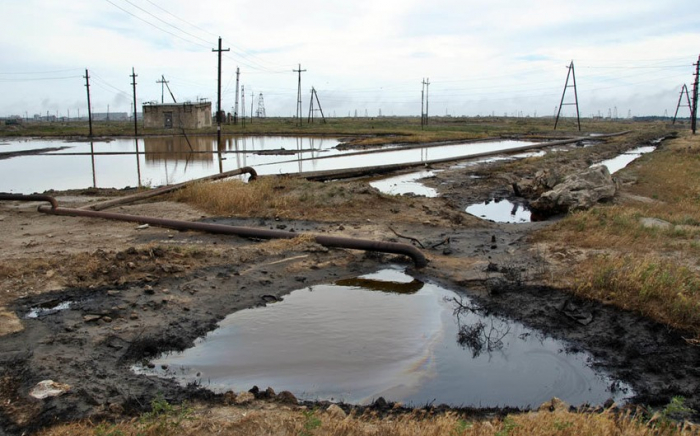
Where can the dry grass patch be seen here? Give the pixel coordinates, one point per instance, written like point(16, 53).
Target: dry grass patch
point(285, 197)
point(660, 289)
point(232, 421)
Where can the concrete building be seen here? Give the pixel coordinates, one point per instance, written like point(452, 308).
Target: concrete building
point(177, 115)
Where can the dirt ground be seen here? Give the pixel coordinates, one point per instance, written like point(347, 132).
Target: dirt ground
point(136, 291)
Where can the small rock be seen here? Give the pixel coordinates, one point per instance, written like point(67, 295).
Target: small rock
point(336, 412)
point(91, 318)
point(107, 318)
point(48, 388)
point(113, 293)
point(148, 289)
point(131, 265)
point(654, 223)
point(142, 227)
point(244, 398)
point(380, 403)
point(133, 316)
point(164, 366)
point(286, 397)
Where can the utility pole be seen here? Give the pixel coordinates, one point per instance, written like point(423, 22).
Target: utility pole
point(162, 82)
point(299, 95)
point(243, 105)
point(566, 85)
point(218, 96)
point(252, 99)
point(235, 105)
point(87, 85)
point(684, 89)
point(694, 111)
point(427, 100)
point(133, 83)
point(422, 104)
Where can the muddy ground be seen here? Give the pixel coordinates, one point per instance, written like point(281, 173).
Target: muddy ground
point(136, 292)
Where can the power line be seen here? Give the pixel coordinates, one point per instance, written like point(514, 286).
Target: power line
point(39, 79)
point(40, 72)
point(153, 25)
point(239, 50)
point(165, 22)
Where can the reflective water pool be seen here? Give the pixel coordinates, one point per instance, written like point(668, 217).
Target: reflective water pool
point(156, 161)
point(619, 162)
point(387, 334)
point(500, 211)
point(406, 184)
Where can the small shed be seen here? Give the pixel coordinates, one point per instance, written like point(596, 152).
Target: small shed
point(177, 115)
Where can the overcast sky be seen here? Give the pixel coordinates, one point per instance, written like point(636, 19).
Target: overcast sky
point(482, 58)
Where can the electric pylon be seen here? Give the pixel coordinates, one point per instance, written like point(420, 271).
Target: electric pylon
point(572, 74)
point(260, 113)
point(312, 110)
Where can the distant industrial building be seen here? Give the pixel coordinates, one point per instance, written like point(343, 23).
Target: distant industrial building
point(177, 115)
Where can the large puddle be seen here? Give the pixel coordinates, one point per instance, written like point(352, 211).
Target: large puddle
point(619, 162)
point(387, 334)
point(167, 160)
point(406, 184)
point(500, 211)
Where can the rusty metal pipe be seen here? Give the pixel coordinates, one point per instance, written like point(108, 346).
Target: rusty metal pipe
point(33, 197)
point(327, 241)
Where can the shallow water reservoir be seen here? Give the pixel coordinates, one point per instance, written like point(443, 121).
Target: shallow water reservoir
point(156, 161)
point(386, 334)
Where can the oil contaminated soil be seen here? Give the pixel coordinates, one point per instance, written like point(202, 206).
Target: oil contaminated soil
point(135, 292)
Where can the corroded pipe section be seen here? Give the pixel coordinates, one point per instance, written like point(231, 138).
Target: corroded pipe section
point(34, 197)
point(327, 241)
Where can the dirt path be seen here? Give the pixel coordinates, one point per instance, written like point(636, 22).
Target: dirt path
point(132, 293)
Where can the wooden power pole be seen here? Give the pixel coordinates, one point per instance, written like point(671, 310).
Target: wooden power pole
point(218, 96)
point(133, 83)
point(87, 85)
point(299, 95)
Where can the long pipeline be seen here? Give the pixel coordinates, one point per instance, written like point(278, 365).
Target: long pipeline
point(327, 241)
